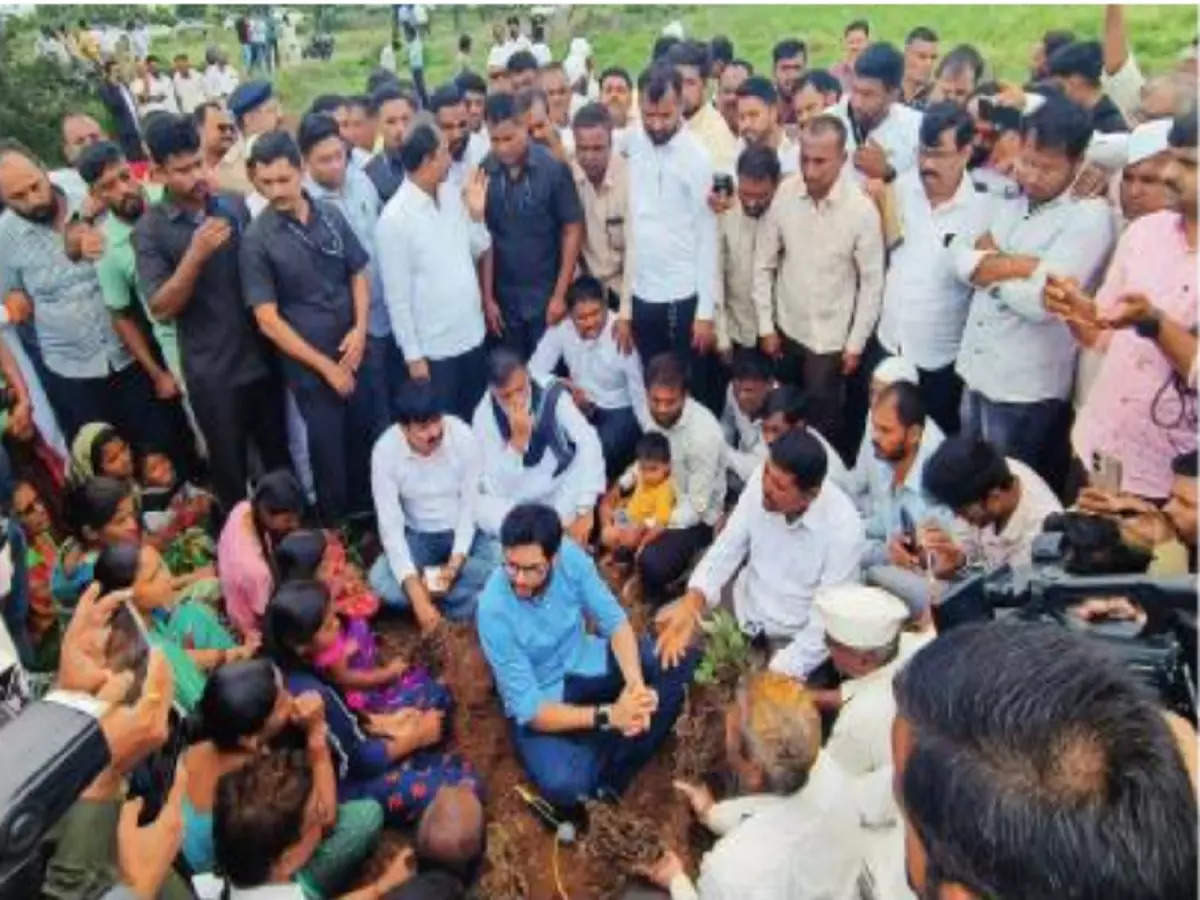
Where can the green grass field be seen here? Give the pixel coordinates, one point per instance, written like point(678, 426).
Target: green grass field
point(623, 35)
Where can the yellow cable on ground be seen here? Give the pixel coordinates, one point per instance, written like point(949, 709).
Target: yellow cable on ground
point(558, 885)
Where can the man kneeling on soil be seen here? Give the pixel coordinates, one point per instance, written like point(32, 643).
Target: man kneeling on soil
point(588, 706)
point(795, 831)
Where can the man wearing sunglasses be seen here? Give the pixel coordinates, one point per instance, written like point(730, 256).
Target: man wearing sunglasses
point(587, 708)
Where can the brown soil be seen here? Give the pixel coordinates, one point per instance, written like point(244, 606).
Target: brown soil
point(521, 858)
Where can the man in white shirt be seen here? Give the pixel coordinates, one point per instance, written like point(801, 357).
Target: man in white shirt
point(758, 123)
point(424, 475)
point(1003, 501)
point(883, 132)
point(1017, 360)
point(795, 830)
point(697, 475)
point(827, 291)
point(924, 302)
point(794, 531)
point(786, 409)
point(605, 383)
point(537, 448)
point(671, 232)
point(189, 85)
point(467, 148)
point(154, 91)
point(220, 78)
point(432, 258)
point(139, 42)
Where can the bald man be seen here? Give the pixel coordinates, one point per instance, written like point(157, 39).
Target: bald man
point(79, 130)
point(450, 831)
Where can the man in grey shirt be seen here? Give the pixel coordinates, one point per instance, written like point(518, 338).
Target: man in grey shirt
point(1017, 360)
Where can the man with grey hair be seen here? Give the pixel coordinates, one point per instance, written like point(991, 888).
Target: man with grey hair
point(795, 830)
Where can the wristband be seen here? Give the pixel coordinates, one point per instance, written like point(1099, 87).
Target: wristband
point(603, 718)
point(1148, 327)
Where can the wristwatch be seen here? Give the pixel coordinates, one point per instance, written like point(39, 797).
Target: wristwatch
point(1148, 327)
point(603, 718)
point(889, 174)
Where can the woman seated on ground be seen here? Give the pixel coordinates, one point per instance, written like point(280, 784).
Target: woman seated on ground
point(176, 515)
point(44, 621)
point(188, 632)
point(99, 449)
point(245, 711)
point(100, 511)
point(344, 651)
point(388, 757)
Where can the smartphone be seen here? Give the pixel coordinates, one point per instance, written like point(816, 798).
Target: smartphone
point(909, 528)
point(1106, 472)
point(127, 648)
point(435, 579)
point(723, 183)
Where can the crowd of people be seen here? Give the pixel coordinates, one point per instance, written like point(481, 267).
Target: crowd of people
point(814, 346)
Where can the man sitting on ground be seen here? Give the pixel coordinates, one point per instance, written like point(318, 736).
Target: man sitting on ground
point(450, 833)
point(795, 531)
point(785, 409)
point(588, 706)
point(605, 383)
point(741, 420)
point(424, 472)
point(795, 832)
point(537, 448)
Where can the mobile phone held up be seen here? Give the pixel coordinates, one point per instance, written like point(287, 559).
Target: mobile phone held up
point(723, 183)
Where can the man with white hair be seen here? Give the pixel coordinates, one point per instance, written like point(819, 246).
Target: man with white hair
point(867, 646)
point(795, 831)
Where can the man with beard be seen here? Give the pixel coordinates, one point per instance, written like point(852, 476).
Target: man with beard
point(957, 75)
point(924, 302)
point(758, 123)
point(467, 147)
point(435, 262)
point(602, 182)
point(883, 132)
point(605, 384)
point(789, 58)
point(792, 532)
point(305, 275)
point(533, 215)
point(673, 273)
point(553, 81)
point(731, 79)
point(187, 259)
point(739, 321)
point(48, 254)
point(114, 189)
point(1017, 360)
point(423, 472)
point(217, 132)
point(701, 119)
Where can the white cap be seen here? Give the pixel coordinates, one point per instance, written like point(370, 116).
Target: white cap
point(574, 68)
point(891, 369)
point(580, 47)
point(1147, 140)
point(859, 616)
point(674, 29)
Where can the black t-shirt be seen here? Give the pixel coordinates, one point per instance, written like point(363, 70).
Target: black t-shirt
point(1107, 118)
point(218, 341)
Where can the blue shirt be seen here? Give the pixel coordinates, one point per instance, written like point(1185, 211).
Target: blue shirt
point(359, 202)
point(886, 500)
point(533, 644)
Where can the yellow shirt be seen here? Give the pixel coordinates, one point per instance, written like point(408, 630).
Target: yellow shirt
point(651, 504)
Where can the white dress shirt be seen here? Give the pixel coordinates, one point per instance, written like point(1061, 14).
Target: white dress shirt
point(161, 93)
point(1013, 350)
point(427, 255)
point(924, 301)
point(697, 465)
point(785, 563)
point(788, 153)
point(424, 493)
point(672, 230)
point(1013, 544)
point(506, 480)
point(611, 379)
point(899, 134)
point(219, 82)
point(809, 846)
point(476, 149)
point(190, 90)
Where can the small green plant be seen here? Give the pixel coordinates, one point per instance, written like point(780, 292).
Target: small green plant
point(726, 651)
point(191, 550)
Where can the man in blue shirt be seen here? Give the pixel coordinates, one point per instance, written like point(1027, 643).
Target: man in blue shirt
point(587, 709)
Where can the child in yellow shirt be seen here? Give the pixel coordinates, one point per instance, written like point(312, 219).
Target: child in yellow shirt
point(646, 512)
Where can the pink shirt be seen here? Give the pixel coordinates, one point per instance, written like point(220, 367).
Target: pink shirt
point(1152, 258)
point(245, 576)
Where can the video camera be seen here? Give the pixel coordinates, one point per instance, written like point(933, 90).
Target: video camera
point(1161, 651)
